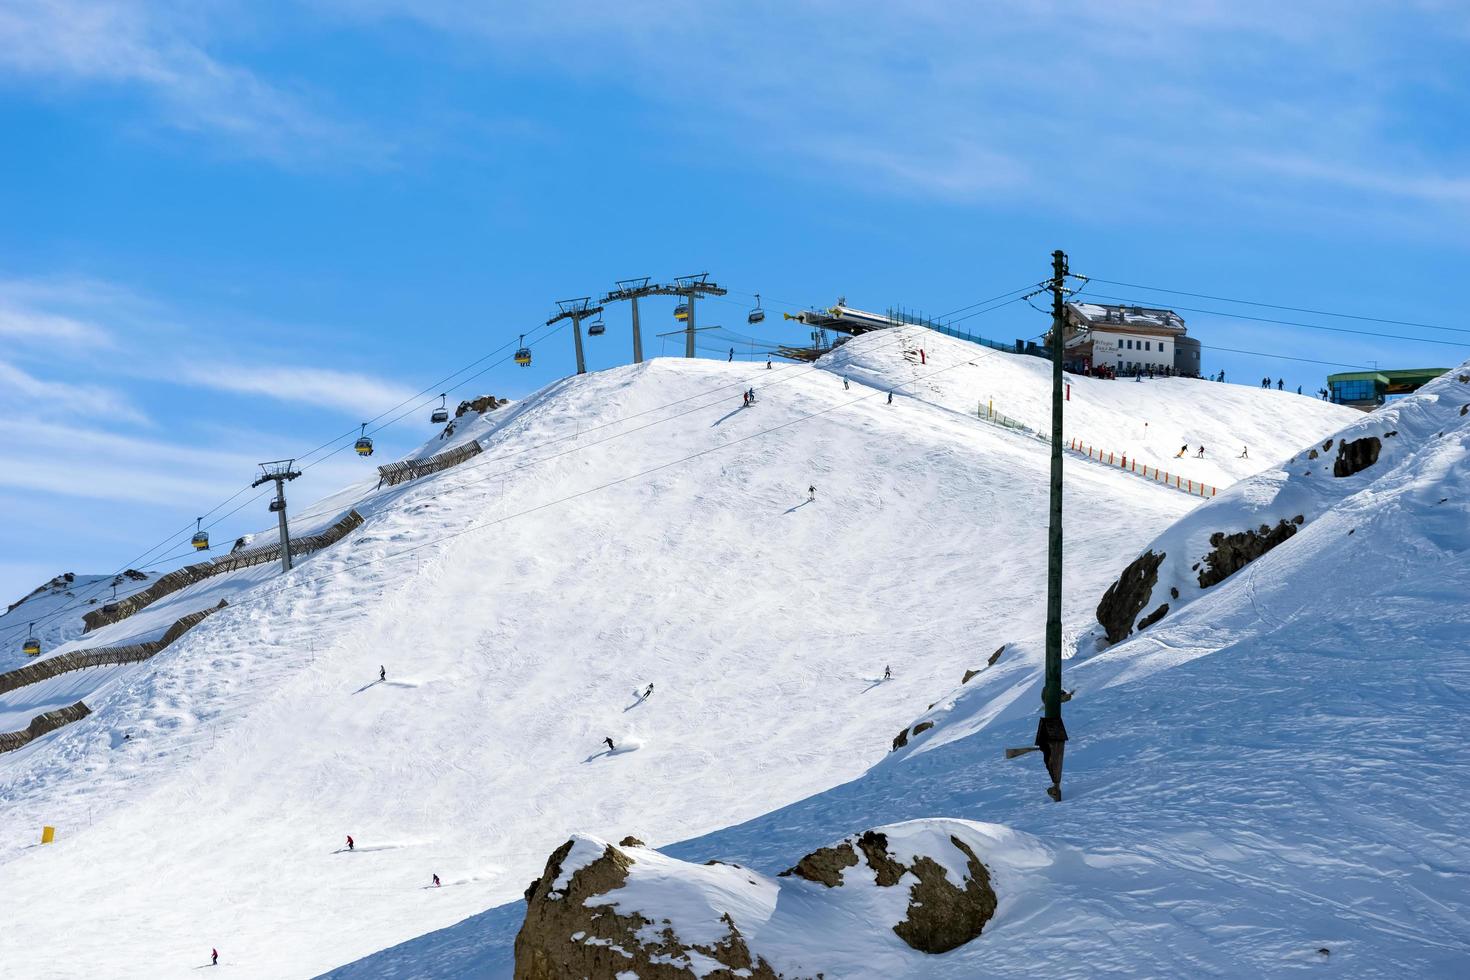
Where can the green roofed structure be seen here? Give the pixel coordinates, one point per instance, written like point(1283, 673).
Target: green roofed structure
point(1369, 389)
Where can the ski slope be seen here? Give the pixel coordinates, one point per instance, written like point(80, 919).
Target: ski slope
point(632, 526)
point(1147, 420)
point(1271, 783)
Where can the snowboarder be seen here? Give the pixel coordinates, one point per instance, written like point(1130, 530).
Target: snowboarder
point(768, 362)
point(732, 355)
point(214, 957)
point(890, 398)
point(610, 746)
point(382, 672)
point(1245, 452)
point(844, 383)
point(1182, 450)
point(350, 844)
point(1298, 389)
point(1200, 454)
point(1280, 384)
point(648, 693)
point(887, 672)
point(811, 492)
point(436, 881)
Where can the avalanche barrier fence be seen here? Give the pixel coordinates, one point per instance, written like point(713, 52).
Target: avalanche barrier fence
point(395, 473)
point(181, 578)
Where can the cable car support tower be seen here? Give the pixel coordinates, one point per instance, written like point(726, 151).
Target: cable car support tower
point(279, 471)
point(576, 310)
point(632, 290)
point(691, 287)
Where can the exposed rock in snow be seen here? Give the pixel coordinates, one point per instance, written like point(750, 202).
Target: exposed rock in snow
point(1357, 456)
point(1235, 551)
point(924, 882)
point(1126, 597)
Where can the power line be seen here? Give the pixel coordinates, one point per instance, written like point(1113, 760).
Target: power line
point(1292, 309)
point(140, 560)
point(1293, 323)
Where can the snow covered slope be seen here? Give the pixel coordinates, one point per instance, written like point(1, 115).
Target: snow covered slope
point(1146, 420)
point(1271, 781)
point(631, 526)
point(57, 607)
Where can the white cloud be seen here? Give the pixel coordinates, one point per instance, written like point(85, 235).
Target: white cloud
point(18, 324)
point(159, 48)
point(346, 391)
point(1027, 101)
point(23, 394)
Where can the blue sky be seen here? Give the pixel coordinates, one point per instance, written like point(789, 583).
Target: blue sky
point(230, 231)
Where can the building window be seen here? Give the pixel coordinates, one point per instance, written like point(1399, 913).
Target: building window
point(1148, 345)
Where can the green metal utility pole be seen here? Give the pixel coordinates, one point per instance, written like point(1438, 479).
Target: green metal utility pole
point(1051, 734)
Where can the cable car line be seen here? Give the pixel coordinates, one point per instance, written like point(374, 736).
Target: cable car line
point(1290, 309)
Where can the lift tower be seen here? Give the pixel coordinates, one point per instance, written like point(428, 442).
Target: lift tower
point(575, 310)
point(279, 471)
point(631, 290)
point(691, 287)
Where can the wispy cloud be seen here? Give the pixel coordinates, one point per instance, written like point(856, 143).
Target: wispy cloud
point(23, 394)
point(342, 390)
point(159, 49)
point(1019, 101)
point(21, 325)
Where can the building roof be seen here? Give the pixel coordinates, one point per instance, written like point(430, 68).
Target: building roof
point(1103, 316)
point(1404, 376)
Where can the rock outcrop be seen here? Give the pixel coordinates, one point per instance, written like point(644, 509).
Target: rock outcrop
point(1232, 552)
point(566, 935)
point(1126, 597)
point(481, 405)
point(603, 912)
point(1356, 456)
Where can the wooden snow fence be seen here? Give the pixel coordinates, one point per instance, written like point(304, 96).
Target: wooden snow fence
point(396, 473)
point(41, 724)
point(101, 656)
point(184, 577)
point(299, 546)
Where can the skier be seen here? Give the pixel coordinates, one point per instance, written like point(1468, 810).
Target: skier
point(752, 396)
point(610, 746)
point(382, 672)
point(844, 383)
point(648, 693)
point(1245, 452)
point(887, 672)
point(890, 398)
point(768, 362)
point(1298, 389)
point(1222, 374)
point(745, 399)
point(1280, 384)
point(732, 355)
point(436, 881)
point(213, 957)
point(811, 492)
point(1200, 454)
point(350, 844)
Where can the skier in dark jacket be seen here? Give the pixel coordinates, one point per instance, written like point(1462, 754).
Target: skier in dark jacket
point(214, 957)
point(610, 746)
point(887, 673)
point(890, 398)
point(436, 881)
point(382, 672)
point(350, 844)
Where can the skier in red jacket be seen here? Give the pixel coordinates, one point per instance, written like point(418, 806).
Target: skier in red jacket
point(350, 845)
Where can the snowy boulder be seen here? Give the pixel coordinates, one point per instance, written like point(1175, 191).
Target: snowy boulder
point(945, 909)
point(876, 903)
point(577, 924)
point(1232, 552)
point(1356, 456)
point(1126, 597)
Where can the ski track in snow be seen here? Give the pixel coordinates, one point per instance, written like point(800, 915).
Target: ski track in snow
point(263, 736)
